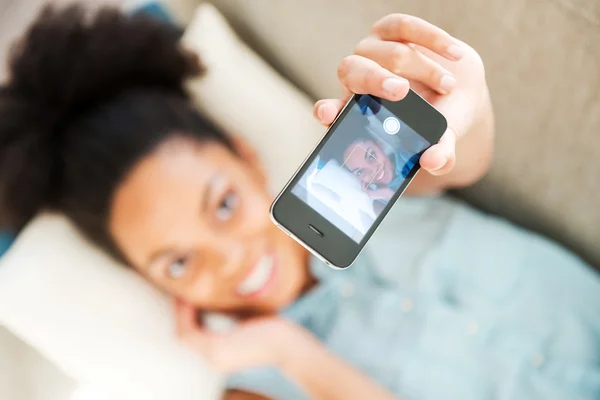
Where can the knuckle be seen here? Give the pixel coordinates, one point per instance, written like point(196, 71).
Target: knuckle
point(435, 74)
point(392, 24)
point(476, 61)
point(400, 57)
point(377, 26)
point(369, 78)
point(345, 67)
point(405, 25)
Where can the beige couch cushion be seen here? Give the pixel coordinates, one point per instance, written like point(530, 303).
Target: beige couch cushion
point(543, 63)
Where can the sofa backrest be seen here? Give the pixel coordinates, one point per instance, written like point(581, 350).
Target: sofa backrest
point(543, 66)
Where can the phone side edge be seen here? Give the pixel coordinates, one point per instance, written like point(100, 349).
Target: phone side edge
point(293, 178)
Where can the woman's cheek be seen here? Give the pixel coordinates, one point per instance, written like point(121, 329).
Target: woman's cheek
point(255, 208)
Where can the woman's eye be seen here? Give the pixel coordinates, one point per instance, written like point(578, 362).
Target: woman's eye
point(227, 207)
point(371, 155)
point(359, 172)
point(177, 269)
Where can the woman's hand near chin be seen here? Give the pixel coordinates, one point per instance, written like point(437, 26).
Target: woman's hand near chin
point(276, 342)
point(261, 341)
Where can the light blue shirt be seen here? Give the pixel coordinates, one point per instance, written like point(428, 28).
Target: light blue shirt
point(449, 303)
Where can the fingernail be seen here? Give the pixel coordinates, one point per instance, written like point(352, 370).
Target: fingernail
point(392, 86)
point(455, 51)
point(447, 83)
point(320, 111)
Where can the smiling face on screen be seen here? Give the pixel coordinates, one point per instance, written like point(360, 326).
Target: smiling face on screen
point(366, 160)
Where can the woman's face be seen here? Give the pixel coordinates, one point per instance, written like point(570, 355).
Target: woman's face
point(194, 219)
point(366, 160)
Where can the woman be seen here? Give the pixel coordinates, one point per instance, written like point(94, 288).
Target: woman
point(450, 304)
point(379, 160)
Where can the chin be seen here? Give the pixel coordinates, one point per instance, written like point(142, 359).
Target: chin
point(288, 298)
point(389, 174)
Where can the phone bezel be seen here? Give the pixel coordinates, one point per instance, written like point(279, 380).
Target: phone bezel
point(294, 216)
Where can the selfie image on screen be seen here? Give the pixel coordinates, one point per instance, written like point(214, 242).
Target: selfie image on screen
point(360, 167)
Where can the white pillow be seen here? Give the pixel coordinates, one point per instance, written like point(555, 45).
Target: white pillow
point(244, 96)
point(100, 322)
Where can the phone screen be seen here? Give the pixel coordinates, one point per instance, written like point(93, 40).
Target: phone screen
point(361, 167)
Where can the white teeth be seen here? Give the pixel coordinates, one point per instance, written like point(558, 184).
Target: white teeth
point(380, 175)
point(258, 278)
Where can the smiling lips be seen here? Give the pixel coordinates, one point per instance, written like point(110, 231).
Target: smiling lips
point(257, 280)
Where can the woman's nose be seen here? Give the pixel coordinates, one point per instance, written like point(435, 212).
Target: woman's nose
point(228, 254)
point(368, 175)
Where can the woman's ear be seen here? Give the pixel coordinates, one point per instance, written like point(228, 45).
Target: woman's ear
point(248, 154)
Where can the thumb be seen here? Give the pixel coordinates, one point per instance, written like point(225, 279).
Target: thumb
point(457, 108)
point(441, 157)
point(325, 111)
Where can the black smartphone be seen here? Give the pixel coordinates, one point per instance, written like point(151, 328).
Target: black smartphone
point(338, 197)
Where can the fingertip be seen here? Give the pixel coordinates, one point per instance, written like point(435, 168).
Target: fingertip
point(455, 51)
point(447, 84)
point(326, 112)
point(439, 169)
point(436, 165)
point(320, 109)
point(446, 168)
point(395, 88)
point(435, 160)
point(403, 93)
point(329, 114)
point(429, 159)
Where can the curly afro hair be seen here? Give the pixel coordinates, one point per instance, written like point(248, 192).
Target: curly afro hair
point(88, 96)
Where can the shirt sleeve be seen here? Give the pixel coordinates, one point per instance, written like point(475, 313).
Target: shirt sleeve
point(268, 382)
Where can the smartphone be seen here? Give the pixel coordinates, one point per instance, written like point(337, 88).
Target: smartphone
point(339, 196)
